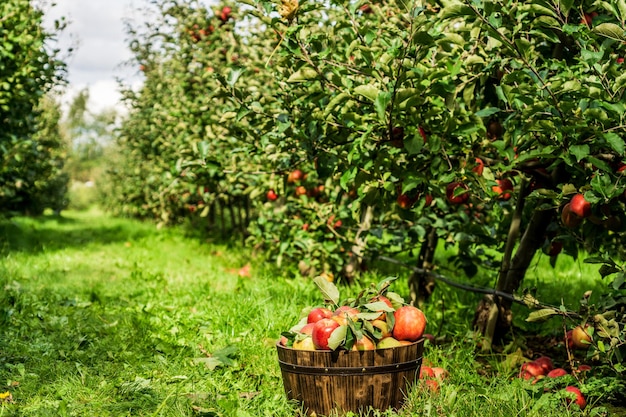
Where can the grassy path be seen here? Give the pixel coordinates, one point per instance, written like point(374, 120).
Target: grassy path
point(110, 317)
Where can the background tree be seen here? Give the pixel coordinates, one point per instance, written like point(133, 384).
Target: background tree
point(31, 147)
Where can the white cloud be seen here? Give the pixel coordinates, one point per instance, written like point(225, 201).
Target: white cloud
point(96, 31)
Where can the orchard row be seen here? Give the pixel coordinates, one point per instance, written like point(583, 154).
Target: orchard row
point(328, 133)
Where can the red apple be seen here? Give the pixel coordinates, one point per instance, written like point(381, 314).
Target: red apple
point(382, 298)
point(405, 202)
point(397, 137)
point(426, 372)
point(587, 18)
point(577, 397)
point(271, 195)
point(531, 368)
point(579, 206)
point(432, 385)
point(304, 344)
point(580, 338)
point(410, 323)
point(295, 176)
point(503, 189)
point(479, 168)
point(383, 327)
point(318, 313)
point(494, 130)
point(545, 363)
point(343, 313)
point(300, 190)
point(322, 331)
point(364, 343)
point(556, 373)
point(366, 9)
point(453, 197)
point(225, 13)
point(423, 134)
point(440, 373)
point(555, 248)
point(307, 329)
point(569, 218)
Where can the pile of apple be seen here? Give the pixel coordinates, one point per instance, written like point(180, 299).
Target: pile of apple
point(375, 319)
point(543, 367)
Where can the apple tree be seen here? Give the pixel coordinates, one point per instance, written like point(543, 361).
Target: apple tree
point(480, 121)
point(177, 145)
point(31, 154)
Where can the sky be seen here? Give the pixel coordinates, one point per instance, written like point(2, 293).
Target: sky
point(96, 32)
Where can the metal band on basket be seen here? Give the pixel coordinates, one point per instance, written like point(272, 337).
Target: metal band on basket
point(364, 370)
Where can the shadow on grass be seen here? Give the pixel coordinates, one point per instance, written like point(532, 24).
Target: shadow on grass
point(49, 233)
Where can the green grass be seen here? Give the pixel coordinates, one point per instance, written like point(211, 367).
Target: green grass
point(112, 317)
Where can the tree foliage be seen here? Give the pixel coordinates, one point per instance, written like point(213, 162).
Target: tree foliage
point(30, 145)
point(473, 124)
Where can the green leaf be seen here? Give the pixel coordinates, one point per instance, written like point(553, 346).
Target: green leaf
point(328, 289)
point(337, 337)
point(334, 102)
point(610, 30)
point(615, 142)
point(221, 357)
point(382, 101)
point(487, 112)
point(303, 74)
point(233, 76)
point(619, 83)
point(423, 38)
point(203, 149)
point(368, 316)
point(619, 281)
point(378, 306)
point(541, 315)
point(606, 270)
point(579, 151)
point(621, 6)
point(566, 6)
point(369, 91)
point(414, 144)
point(456, 10)
point(591, 57)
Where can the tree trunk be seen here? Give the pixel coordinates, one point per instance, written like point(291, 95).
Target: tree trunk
point(421, 284)
point(493, 316)
point(231, 210)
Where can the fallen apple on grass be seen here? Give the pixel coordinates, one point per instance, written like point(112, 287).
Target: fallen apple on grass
point(556, 373)
point(574, 395)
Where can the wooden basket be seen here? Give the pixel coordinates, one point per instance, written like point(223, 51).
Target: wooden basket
point(334, 382)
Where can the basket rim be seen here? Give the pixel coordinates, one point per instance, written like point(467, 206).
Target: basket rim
point(417, 342)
